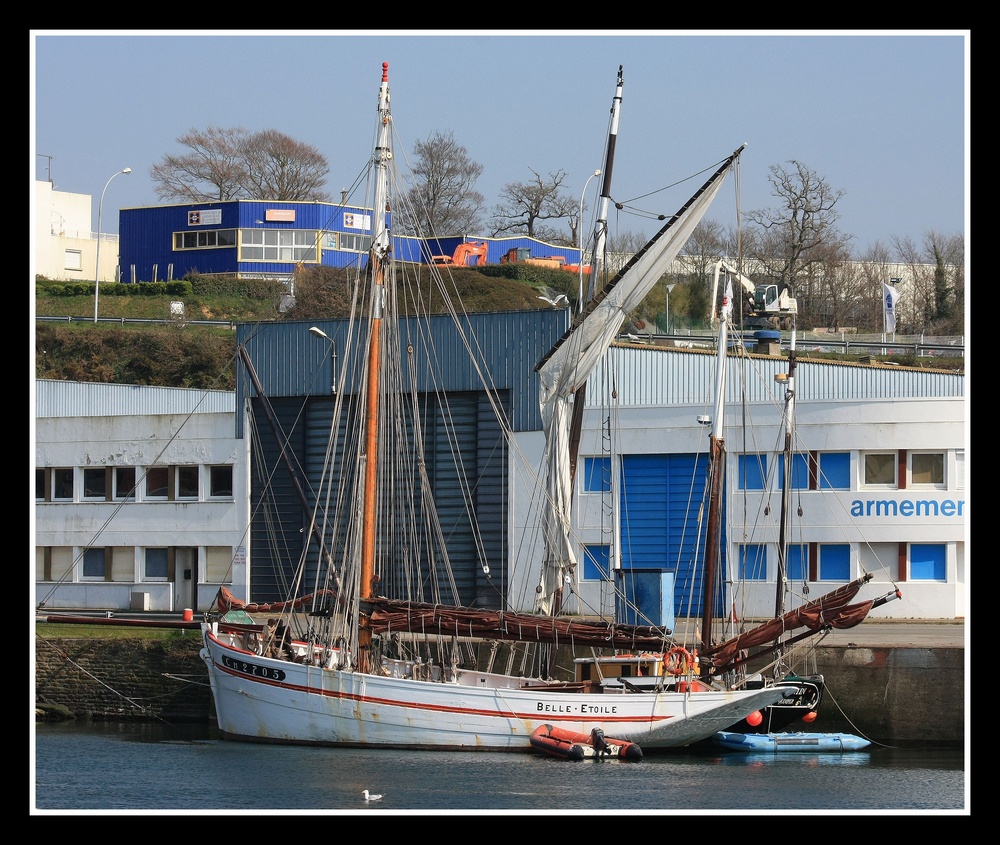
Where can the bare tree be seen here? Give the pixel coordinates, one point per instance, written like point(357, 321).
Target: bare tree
point(228, 164)
point(280, 168)
point(213, 169)
point(523, 204)
point(443, 199)
point(788, 238)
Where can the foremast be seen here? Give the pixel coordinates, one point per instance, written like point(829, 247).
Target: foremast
point(379, 256)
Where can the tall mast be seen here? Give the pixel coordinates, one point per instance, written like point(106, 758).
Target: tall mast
point(596, 263)
point(786, 488)
point(378, 258)
point(601, 227)
point(716, 474)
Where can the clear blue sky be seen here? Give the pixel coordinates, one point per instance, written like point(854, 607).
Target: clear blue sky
point(883, 116)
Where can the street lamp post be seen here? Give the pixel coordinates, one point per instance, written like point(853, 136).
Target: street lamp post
point(579, 237)
point(667, 307)
point(100, 212)
point(318, 332)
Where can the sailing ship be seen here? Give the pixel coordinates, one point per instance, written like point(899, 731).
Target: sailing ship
point(724, 651)
point(774, 641)
point(357, 657)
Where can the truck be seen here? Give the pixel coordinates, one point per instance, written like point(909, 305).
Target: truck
point(471, 254)
point(522, 255)
point(763, 306)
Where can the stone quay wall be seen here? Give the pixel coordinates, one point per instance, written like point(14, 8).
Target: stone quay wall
point(893, 696)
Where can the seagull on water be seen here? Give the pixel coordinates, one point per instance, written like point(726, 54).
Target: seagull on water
point(369, 796)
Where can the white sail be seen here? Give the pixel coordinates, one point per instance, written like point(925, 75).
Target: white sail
point(574, 357)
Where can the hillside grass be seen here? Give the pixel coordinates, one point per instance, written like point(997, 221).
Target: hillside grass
point(175, 352)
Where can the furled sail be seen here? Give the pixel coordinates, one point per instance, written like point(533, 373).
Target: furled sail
point(568, 364)
point(829, 610)
point(389, 616)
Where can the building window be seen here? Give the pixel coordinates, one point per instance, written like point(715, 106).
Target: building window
point(927, 469)
point(797, 563)
point(596, 563)
point(752, 470)
point(62, 484)
point(753, 562)
point(220, 482)
point(927, 562)
point(39, 484)
point(879, 469)
point(960, 469)
point(95, 483)
point(124, 481)
point(156, 483)
point(155, 565)
point(348, 242)
point(72, 259)
point(834, 471)
point(800, 471)
point(94, 566)
point(187, 482)
point(597, 475)
point(835, 562)
point(205, 239)
point(279, 245)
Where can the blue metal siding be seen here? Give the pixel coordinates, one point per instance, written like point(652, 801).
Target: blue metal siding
point(146, 240)
point(660, 500)
point(291, 362)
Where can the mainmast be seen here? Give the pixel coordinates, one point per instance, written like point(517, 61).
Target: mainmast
point(596, 263)
point(601, 227)
point(378, 258)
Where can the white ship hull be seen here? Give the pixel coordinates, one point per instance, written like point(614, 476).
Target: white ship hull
point(276, 700)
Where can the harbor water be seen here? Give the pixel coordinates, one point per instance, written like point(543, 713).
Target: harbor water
point(129, 767)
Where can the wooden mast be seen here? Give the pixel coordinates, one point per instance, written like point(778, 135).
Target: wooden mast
point(716, 474)
point(378, 257)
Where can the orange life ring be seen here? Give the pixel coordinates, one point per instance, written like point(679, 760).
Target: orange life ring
point(677, 661)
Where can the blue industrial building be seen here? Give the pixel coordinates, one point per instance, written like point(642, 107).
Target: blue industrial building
point(263, 239)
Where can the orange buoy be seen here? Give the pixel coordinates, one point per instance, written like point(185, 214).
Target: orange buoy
point(810, 716)
point(755, 718)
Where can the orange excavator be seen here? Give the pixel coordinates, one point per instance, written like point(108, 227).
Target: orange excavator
point(555, 262)
point(472, 254)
